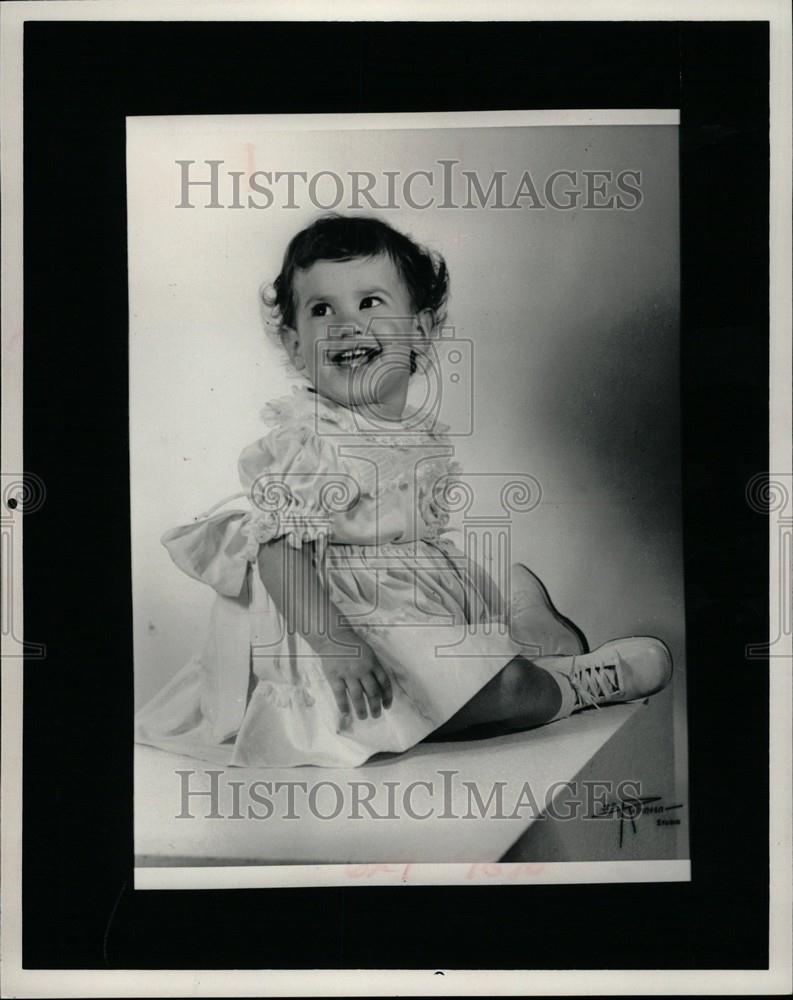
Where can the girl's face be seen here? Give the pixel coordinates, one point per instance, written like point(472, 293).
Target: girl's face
point(354, 333)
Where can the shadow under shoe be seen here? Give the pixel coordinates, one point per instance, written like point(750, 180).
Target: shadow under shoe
point(534, 621)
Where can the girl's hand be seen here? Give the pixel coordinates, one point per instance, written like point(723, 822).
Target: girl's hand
point(354, 674)
point(356, 680)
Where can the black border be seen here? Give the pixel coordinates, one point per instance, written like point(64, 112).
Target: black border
point(81, 79)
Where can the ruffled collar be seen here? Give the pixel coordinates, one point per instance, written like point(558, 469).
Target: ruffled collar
point(305, 404)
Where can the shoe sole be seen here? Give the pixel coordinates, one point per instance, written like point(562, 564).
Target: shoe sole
point(560, 618)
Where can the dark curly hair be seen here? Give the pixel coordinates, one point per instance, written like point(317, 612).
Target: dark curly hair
point(340, 237)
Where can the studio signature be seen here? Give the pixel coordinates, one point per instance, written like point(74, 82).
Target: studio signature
point(628, 809)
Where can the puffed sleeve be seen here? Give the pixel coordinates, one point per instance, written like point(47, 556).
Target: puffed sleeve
point(292, 487)
point(296, 482)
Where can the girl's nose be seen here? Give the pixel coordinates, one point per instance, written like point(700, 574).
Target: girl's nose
point(349, 329)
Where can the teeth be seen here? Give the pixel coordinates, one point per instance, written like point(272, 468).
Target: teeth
point(354, 354)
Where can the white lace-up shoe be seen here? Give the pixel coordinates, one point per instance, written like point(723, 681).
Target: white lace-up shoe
point(618, 671)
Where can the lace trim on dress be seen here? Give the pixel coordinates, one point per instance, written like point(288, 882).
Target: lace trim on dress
point(298, 526)
point(285, 695)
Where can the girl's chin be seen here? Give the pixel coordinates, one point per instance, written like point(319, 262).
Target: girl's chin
point(388, 394)
point(377, 409)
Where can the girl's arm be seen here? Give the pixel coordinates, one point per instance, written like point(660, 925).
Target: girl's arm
point(291, 579)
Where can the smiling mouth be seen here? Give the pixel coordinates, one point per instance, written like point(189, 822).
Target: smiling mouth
point(354, 357)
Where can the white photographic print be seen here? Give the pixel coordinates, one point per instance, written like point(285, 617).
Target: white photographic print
point(405, 496)
point(396, 500)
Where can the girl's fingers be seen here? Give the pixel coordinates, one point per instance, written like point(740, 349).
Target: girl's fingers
point(357, 698)
point(373, 693)
point(385, 685)
point(340, 694)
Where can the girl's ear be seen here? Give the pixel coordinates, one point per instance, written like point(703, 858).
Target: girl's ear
point(291, 342)
point(425, 328)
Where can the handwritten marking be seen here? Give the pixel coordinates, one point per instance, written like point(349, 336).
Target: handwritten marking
point(486, 870)
point(630, 809)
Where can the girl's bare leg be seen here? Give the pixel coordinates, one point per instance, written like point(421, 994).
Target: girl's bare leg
point(521, 696)
point(528, 693)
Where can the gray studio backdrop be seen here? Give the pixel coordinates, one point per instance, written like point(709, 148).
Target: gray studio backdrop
point(571, 315)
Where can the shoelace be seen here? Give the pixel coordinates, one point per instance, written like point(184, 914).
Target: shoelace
point(592, 683)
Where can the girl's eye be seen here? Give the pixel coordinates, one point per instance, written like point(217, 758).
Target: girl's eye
point(369, 301)
point(320, 309)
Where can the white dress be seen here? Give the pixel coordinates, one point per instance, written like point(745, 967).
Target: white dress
point(373, 505)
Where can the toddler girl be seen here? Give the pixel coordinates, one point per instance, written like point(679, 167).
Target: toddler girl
point(346, 623)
